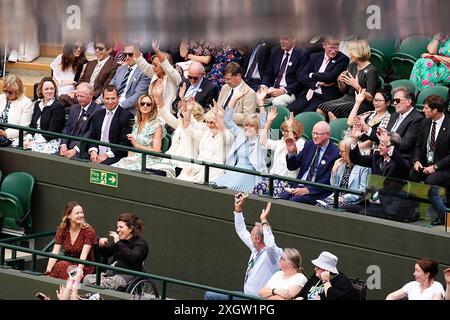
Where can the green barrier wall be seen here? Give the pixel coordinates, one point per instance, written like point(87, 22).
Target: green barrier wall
point(190, 227)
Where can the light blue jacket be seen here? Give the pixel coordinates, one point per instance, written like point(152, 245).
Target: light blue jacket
point(357, 181)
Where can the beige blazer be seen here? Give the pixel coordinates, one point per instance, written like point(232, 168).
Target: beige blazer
point(171, 81)
point(245, 106)
point(20, 113)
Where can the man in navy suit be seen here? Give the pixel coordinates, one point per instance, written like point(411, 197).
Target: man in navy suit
point(280, 77)
point(319, 78)
point(130, 82)
point(315, 162)
point(432, 154)
point(79, 123)
point(112, 125)
point(198, 86)
point(255, 64)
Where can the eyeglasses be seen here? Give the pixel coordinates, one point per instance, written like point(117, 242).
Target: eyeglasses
point(319, 133)
point(148, 104)
point(193, 78)
point(99, 48)
point(397, 100)
point(378, 100)
point(128, 54)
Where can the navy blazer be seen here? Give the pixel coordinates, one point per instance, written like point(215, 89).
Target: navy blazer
point(334, 68)
point(442, 152)
point(52, 118)
point(208, 91)
point(121, 125)
point(408, 130)
point(303, 160)
point(84, 129)
point(297, 61)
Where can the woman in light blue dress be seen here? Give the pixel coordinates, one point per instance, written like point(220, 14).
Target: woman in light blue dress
point(146, 135)
point(246, 151)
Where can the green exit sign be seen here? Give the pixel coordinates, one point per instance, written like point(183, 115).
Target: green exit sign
point(105, 178)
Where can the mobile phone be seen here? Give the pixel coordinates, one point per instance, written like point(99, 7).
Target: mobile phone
point(41, 296)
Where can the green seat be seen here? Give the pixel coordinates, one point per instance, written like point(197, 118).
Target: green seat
point(308, 120)
point(166, 142)
point(380, 82)
point(379, 62)
point(439, 90)
point(283, 114)
point(338, 128)
point(385, 46)
point(15, 202)
point(402, 65)
point(404, 83)
point(410, 49)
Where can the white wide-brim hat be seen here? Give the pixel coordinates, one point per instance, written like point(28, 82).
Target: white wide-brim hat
point(326, 261)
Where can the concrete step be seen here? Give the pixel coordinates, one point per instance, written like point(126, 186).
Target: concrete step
point(51, 49)
point(40, 64)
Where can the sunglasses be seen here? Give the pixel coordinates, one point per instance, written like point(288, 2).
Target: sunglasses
point(128, 54)
point(397, 100)
point(148, 104)
point(99, 48)
point(192, 78)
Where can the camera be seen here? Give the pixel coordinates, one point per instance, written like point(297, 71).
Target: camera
point(41, 296)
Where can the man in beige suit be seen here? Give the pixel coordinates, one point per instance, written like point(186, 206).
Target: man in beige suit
point(234, 84)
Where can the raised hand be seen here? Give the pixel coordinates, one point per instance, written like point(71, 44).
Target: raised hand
point(356, 132)
point(359, 98)
point(261, 94)
point(136, 52)
point(155, 46)
point(265, 212)
point(190, 103)
point(290, 145)
point(272, 114)
point(184, 48)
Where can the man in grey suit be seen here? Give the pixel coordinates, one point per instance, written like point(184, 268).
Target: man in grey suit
point(79, 123)
point(130, 82)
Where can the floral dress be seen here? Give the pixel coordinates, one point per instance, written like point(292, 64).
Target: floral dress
point(145, 138)
point(426, 73)
point(221, 59)
point(62, 237)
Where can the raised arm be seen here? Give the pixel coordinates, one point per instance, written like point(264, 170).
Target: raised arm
point(359, 98)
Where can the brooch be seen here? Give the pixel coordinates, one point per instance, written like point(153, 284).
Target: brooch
point(290, 64)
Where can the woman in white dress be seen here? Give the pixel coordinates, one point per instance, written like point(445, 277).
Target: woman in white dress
point(424, 287)
point(146, 135)
point(215, 142)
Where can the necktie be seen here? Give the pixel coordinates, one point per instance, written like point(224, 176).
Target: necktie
point(281, 71)
point(79, 121)
point(5, 113)
point(433, 137)
point(322, 68)
point(256, 56)
point(383, 165)
point(124, 82)
point(105, 131)
point(313, 167)
point(95, 73)
point(228, 99)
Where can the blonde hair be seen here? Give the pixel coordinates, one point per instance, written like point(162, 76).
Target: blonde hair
point(295, 258)
point(153, 112)
point(198, 109)
point(252, 120)
point(346, 145)
point(14, 83)
point(297, 128)
point(65, 222)
point(210, 116)
point(359, 49)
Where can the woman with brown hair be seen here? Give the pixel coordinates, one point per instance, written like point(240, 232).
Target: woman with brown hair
point(146, 135)
point(128, 250)
point(76, 236)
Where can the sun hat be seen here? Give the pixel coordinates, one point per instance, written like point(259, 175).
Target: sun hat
point(326, 261)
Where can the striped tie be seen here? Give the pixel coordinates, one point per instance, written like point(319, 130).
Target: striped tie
point(124, 82)
point(433, 137)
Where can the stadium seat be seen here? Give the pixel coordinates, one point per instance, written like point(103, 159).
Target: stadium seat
point(166, 142)
point(410, 49)
point(439, 90)
point(379, 62)
point(308, 120)
point(337, 129)
point(404, 83)
point(15, 202)
point(385, 46)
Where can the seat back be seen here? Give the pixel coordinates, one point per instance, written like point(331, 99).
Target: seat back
point(386, 46)
point(338, 128)
point(19, 184)
point(10, 211)
point(404, 83)
point(166, 141)
point(414, 45)
point(360, 287)
point(402, 65)
point(439, 90)
point(308, 120)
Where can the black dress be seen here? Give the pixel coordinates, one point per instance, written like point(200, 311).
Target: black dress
point(368, 79)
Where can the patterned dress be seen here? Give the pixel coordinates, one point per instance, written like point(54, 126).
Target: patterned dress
point(221, 59)
point(145, 138)
point(86, 236)
point(426, 73)
point(368, 79)
point(328, 202)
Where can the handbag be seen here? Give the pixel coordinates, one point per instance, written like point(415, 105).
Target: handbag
point(5, 142)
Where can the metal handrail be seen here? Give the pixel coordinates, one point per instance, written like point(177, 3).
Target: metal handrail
point(101, 266)
point(206, 164)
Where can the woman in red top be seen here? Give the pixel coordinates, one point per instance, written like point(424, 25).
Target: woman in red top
point(77, 238)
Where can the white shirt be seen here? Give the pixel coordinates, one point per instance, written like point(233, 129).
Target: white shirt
point(130, 77)
point(109, 153)
point(278, 282)
point(279, 166)
point(267, 262)
point(400, 119)
point(60, 75)
point(412, 290)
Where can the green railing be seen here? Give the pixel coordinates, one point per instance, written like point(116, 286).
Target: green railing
point(5, 244)
point(206, 164)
